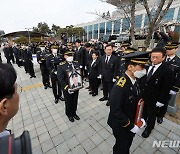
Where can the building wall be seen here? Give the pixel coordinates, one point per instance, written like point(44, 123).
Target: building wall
point(97, 29)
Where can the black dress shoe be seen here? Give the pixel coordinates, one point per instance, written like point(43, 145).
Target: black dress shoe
point(61, 98)
point(56, 101)
point(159, 120)
point(71, 119)
point(107, 104)
point(146, 133)
point(94, 94)
point(76, 117)
point(45, 87)
point(103, 99)
point(91, 92)
point(34, 76)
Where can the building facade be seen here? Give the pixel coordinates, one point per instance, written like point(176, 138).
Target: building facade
point(119, 25)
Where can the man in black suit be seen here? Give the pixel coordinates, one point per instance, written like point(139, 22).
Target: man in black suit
point(108, 72)
point(52, 61)
point(173, 62)
point(124, 98)
point(157, 86)
point(71, 97)
point(80, 56)
point(75, 84)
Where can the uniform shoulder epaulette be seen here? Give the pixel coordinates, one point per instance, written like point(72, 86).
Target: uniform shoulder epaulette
point(75, 61)
point(121, 82)
point(62, 63)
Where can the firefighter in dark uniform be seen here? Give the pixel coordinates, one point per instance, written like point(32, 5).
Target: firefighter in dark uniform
point(123, 102)
point(173, 62)
point(71, 97)
point(42, 54)
point(27, 60)
point(52, 62)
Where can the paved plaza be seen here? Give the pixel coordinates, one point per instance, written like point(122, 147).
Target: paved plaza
point(51, 132)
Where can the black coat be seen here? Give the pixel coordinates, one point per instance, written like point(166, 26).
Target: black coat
point(123, 104)
point(80, 56)
point(52, 62)
point(94, 69)
point(109, 70)
point(157, 88)
point(41, 57)
point(174, 65)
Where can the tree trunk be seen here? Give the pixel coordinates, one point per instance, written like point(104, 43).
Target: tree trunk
point(149, 36)
point(132, 22)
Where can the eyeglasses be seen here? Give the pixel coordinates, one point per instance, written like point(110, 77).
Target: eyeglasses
point(19, 89)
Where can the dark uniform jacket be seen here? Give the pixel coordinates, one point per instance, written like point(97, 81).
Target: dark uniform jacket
point(80, 56)
point(62, 73)
point(174, 65)
point(52, 62)
point(157, 88)
point(26, 55)
point(41, 56)
point(123, 103)
point(109, 70)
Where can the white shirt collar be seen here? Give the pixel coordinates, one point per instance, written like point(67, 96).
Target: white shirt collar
point(170, 57)
point(79, 47)
point(4, 133)
point(132, 80)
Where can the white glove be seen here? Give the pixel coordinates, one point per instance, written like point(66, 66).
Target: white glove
point(80, 66)
point(144, 123)
point(114, 80)
point(135, 129)
point(100, 76)
point(85, 68)
point(88, 73)
point(70, 92)
point(172, 92)
point(39, 61)
point(158, 104)
point(55, 72)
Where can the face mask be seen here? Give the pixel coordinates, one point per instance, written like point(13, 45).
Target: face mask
point(69, 59)
point(54, 51)
point(42, 48)
point(140, 74)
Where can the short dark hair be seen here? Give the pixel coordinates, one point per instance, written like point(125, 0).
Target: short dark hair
point(8, 78)
point(78, 41)
point(96, 53)
point(159, 49)
point(108, 45)
point(87, 45)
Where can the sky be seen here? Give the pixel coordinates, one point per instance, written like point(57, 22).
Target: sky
point(16, 15)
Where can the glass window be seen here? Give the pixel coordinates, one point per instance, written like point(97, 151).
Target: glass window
point(125, 25)
point(178, 17)
point(109, 27)
point(138, 21)
point(95, 32)
point(89, 32)
point(117, 26)
point(169, 15)
point(102, 30)
point(85, 33)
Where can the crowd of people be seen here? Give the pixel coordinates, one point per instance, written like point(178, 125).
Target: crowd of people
point(126, 76)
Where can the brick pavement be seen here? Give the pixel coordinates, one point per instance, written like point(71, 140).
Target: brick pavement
point(52, 133)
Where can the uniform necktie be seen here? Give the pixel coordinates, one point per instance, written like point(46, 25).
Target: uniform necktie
point(168, 59)
point(150, 73)
point(106, 59)
point(136, 87)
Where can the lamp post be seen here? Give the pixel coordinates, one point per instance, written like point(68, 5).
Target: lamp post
point(28, 34)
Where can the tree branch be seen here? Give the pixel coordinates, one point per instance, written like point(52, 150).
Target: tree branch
point(147, 10)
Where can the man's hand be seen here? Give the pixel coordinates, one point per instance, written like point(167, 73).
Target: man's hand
point(135, 129)
point(70, 92)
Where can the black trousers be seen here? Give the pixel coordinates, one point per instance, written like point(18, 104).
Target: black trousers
point(45, 74)
point(107, 87)
point(56, 86)
point(94, 82)
point(150, 113)
point(71, 101)
point(123, 142)
point(26, 68)
point(31, 68)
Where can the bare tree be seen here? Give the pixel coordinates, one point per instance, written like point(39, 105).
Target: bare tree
point(155, 17)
